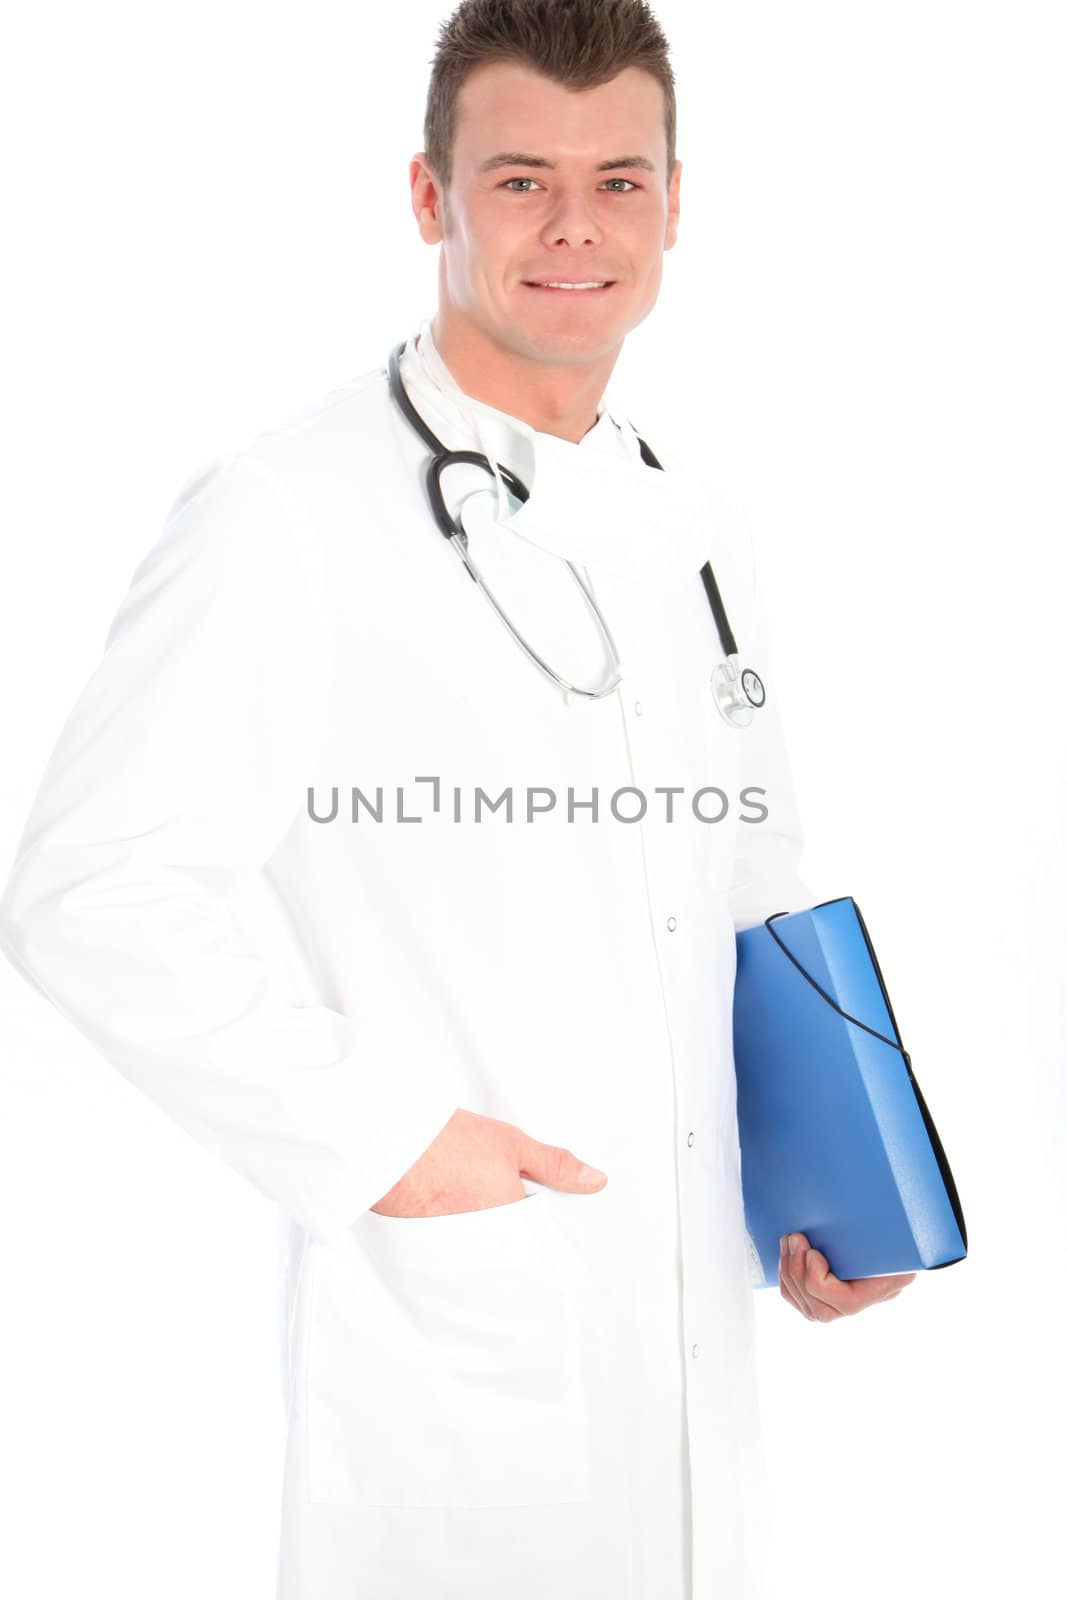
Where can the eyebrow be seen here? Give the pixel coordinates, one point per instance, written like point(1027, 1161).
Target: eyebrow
point(519, 158)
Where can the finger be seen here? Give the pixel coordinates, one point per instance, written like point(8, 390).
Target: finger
point(788, 1275)
point(820, 1288)
point(901, 1282)
point(556, 1166)
point(847, 1296)
point(784, 1282)
point(872, 1290)
point(797, 1276)
point(880, 1287)
point(788, 1294)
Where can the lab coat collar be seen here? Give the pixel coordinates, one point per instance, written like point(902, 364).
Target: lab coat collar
point(595, 502)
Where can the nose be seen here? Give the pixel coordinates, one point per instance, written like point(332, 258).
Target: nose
point(571, 221)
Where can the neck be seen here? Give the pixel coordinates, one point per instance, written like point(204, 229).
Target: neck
point(550, 397)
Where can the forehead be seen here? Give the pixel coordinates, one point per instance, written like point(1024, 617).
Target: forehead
point(503, 105)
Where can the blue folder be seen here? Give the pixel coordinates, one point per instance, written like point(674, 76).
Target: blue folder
point(836, 1140)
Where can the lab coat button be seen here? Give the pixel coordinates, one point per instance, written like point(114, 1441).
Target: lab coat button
point(637, 708)
point(696, 1351)
point(671, 924)
point(690, 1139)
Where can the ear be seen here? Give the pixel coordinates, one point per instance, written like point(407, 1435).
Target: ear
point(673, 206)
point(426, 199)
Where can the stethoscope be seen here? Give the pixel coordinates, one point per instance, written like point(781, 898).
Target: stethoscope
point(737, 691)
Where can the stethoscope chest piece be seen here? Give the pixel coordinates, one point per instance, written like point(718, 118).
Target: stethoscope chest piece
point(738, 693)
point(752, 684)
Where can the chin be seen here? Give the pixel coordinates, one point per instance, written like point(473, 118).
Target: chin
point(552, 341)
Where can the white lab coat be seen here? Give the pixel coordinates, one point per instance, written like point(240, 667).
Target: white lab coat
point(551, 1397)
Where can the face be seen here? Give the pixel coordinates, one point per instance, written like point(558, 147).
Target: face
point(552, 184)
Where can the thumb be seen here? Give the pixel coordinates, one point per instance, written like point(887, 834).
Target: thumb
point(557, 1167)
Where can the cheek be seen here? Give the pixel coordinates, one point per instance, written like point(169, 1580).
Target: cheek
point(647, 255)
point(496, 232)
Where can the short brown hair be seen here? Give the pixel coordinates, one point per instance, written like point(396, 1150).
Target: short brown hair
point(579, 43)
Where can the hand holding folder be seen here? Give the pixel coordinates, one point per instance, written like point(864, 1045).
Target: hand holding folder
point(836, 1140)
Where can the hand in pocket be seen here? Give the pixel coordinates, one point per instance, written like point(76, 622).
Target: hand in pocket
point(476, 1162)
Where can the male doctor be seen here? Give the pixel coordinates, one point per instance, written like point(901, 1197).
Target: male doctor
point(435, 953)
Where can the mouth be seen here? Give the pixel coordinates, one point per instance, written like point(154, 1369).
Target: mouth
point(567, 286)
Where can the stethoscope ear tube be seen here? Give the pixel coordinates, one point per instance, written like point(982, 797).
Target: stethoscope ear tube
point(737, 691)
point(449, 458)
point(403, 400)
point(718, 611)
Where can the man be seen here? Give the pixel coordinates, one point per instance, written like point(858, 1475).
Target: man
point(336, 873)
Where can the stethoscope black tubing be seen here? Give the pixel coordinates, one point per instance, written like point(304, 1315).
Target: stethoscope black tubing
point(444, 458)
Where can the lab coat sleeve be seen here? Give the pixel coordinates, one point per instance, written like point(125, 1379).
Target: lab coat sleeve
point(766, 876)
point(182, 765)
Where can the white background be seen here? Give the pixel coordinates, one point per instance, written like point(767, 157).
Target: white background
point(861, 334)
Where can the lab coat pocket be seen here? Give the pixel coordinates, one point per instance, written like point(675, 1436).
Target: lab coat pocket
point(444, 1365)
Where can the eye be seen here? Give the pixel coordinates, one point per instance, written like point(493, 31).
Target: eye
point(509, 181)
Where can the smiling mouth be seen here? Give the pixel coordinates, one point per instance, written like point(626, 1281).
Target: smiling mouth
point(565, 286)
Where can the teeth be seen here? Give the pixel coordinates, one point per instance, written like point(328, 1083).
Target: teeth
point(552, 285)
